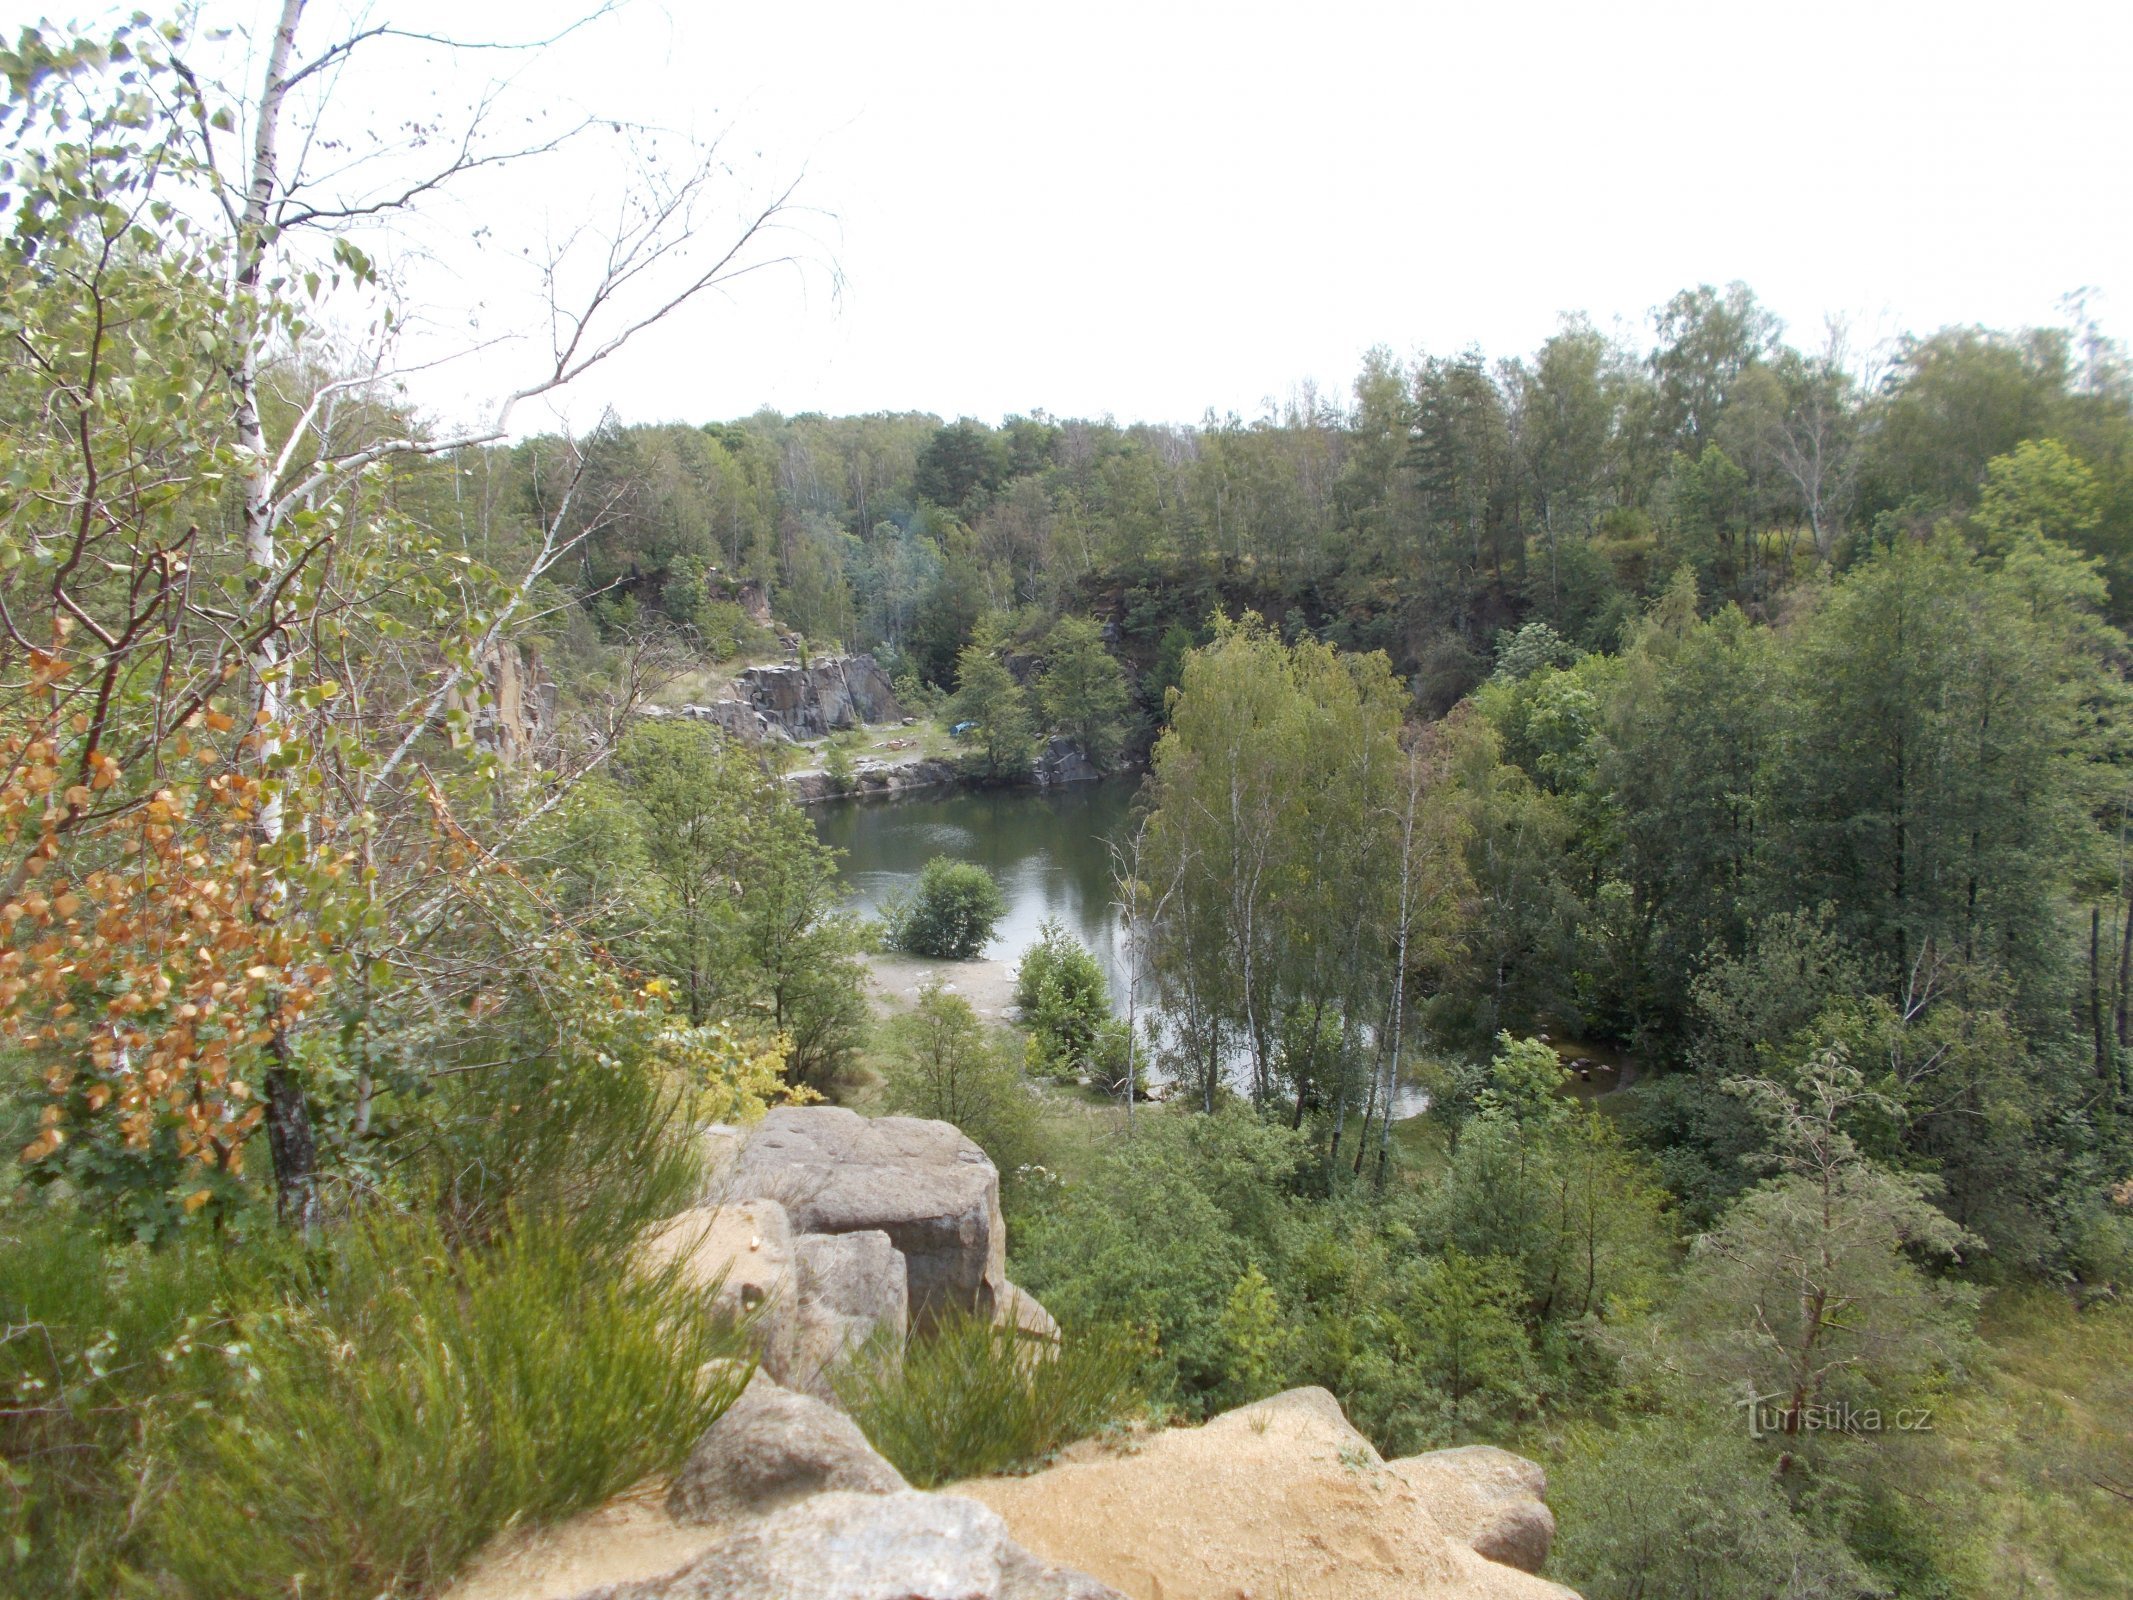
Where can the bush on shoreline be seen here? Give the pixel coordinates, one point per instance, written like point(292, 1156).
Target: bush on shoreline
point(950, 915)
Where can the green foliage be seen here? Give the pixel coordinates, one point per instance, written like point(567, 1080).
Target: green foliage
point(1687, 1509)
point(988, 697)
point(950, 914)
point(698, 863)
point(412, 1402)
point(1807, 1294)
point(1082, 689)
point(592, 1132)
point(230, 1410)
point(1157, 1232)
point(108, 1354)
point(2040, 490)
point(1468, 1339)
point(972, 1398)
point(1062, 996)
point(1252, 1331)
point(1546, 1188)
point(1289, 896)
point(939, 1061)
point(837, 766)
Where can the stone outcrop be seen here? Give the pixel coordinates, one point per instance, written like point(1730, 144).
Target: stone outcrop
point(770, 1448)
point(1488, 1499)
point(782, 1499)
point(1062, 761)
point(854, 1290)
point(812, 701)
point(829, 1229)
point(1282, 1497)
point(924, 1184)
point(747, 1252)
point(791, 702)
point(838, 1231)
point(514, 710)
point(837, 1546)
point(874, 780)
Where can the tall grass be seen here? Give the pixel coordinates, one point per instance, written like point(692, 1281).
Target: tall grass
point(244, 1415)
point(418, 1402)
point(975, 1398)
point(108, 1353)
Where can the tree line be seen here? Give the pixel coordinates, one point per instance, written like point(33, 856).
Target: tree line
point(1450, 497)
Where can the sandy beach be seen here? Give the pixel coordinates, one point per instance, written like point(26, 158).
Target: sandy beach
point(894, 979)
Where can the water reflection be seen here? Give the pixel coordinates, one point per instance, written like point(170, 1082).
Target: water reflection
point(1048, 849)
point(1050, 852)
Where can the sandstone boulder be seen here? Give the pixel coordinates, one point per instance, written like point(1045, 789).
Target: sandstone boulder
point(1023, 1309)
point(1488, 1499)
point(750, 1243)
point(838, 1546)
point(773, 1447)
point(853, 1287)
point(1282, 1497)
point(932, 1191)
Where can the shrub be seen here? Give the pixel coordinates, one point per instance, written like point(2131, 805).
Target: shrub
point(939, 1062)
point(239, 1412)
point(951, 913)
point(837, 766)
point(1108, 1059)
point(1063, 998)
point(1674, 1508)
point(417, 1401)
point(975, 1397)
point(106, 1351)
point(1157, 1232)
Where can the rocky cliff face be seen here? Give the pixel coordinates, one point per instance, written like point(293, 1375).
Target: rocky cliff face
point(514, 710)
point(795, 702)
point(818, 699)
point(1061, 760)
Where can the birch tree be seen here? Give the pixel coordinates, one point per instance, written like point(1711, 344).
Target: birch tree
point(236, 580)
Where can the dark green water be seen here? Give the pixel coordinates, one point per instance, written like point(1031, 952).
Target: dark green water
point(1049, 850)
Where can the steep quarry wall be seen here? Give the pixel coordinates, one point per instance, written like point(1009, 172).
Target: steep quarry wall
point(799, 702)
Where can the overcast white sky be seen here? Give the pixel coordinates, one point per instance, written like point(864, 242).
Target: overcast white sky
point(1149, 210)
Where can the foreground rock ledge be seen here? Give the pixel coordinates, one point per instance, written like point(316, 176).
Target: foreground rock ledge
point(1284, 1498)
point(781, 1501)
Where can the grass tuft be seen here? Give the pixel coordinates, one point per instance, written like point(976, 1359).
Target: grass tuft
point(974, 1398)
point(419, 1401)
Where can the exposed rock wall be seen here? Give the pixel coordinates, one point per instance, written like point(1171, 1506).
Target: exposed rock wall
point(514, 710)
point(813, 701)
point(1061, 760)
point(792, 702)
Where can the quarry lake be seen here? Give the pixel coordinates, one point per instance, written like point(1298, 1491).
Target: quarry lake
point(1048, 849)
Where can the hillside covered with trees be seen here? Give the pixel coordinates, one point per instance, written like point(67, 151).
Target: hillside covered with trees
point(1737, 715)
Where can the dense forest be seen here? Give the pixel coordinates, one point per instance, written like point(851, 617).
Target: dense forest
point(1747, 718)
point(1447, 499)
